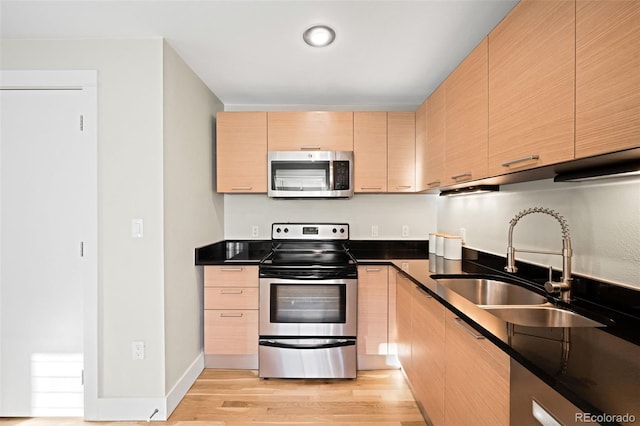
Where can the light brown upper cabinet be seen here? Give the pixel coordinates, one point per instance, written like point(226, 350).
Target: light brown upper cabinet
point(310, 130)
point(607, 76)
point(467, 116)
point(402, 151)
point(370, 151)
point(241, 151)
point(421, 146)
point(531, 86)
point(436, 121)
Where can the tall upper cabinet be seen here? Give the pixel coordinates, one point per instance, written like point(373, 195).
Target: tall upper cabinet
point(436, 127)
point(370, 151)
point(241, 153)
point(421, 146)
point(607, 76)
point(402, 151)
point(531, 86)
point(466, 118)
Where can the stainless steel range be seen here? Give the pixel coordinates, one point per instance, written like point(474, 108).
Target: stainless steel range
point(308, 303)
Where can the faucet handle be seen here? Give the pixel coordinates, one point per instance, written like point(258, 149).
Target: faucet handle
point(550, 274)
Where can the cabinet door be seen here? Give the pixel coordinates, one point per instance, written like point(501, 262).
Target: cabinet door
point(476, 377)
point(403, 322)
point(370, 151)
point(231, 298)
point(373, 333)
point(421, 147)
point(231, 332)
point(231, 276)
point(310, 130)
point(428, 351)
point(402, 151)
point(436, 114)
point(467, 115)
point(607, 76)
point(531, 86)
point(241, 151)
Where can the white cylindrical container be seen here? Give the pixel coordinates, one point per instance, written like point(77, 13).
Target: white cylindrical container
point(432, 242)
point(440, 244)
point(453, 247)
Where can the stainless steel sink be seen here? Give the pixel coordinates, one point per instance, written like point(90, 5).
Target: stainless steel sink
point(542, 316)
point(482, 291)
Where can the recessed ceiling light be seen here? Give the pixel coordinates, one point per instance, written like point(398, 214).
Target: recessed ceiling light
point(319, 36)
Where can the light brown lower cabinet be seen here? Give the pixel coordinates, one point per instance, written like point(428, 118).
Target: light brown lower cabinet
point(457, 376)
point(231, 316)
point(428, 354)
point(403, 323)
point(373, 314)
point(476, 377)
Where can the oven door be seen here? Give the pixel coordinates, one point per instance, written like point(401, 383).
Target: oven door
point(308, 308)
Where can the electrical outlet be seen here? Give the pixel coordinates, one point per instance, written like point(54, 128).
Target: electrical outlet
point(405, 230)
point(137, 349)
point(255, 231)
point(463, 234)
point(374, 231)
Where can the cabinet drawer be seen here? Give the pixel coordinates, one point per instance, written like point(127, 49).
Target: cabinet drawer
point(231, 276)
point(230, 332)
point(231, 298)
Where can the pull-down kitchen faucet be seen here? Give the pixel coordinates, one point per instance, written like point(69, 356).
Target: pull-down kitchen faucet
point(553, 287)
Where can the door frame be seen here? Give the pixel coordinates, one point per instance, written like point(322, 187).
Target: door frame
point(87, 82)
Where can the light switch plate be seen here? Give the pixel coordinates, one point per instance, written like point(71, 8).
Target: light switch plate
point(137, 228)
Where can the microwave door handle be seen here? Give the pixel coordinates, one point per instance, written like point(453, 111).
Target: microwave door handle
point(333, 343)
point(331, 183)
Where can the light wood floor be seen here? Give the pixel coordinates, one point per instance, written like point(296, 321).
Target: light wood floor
point(239, 397)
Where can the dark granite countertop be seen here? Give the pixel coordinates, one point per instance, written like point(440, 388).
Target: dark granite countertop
point(597, 369)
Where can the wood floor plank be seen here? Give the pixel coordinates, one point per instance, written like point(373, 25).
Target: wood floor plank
point(241, 398)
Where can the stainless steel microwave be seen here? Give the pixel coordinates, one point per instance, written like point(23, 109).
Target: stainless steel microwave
point(310, 174)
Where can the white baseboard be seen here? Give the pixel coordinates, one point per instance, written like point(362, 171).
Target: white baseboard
point(141, 409)
point(183, 385)
point(131, 409)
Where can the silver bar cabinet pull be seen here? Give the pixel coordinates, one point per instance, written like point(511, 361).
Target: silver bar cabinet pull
point(461, 175)
point(466, 328)
point(521, 160)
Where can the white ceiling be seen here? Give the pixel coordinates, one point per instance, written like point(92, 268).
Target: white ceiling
point(390, 53)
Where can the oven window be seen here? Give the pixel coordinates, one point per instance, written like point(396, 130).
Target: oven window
point(297, 176)
point(308, 303)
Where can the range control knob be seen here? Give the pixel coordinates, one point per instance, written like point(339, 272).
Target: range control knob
point(342, 230)
point(334, 230)
point(286, 230)
point(278, 230)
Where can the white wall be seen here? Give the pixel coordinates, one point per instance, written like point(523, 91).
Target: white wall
point(129, 186)
point(179, 210)
point(388, 212)
point(603, 217)
point(193, 212)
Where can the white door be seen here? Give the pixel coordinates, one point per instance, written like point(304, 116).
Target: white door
point(47, 217)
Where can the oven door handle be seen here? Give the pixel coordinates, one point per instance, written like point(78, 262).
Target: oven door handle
point(332, 343)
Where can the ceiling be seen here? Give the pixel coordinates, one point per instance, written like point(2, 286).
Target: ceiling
point(389, 54)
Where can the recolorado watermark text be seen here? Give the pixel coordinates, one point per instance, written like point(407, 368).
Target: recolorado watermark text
point(604, 418)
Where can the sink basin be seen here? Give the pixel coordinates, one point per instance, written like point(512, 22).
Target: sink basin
point(482, 291)
point(542, 316)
